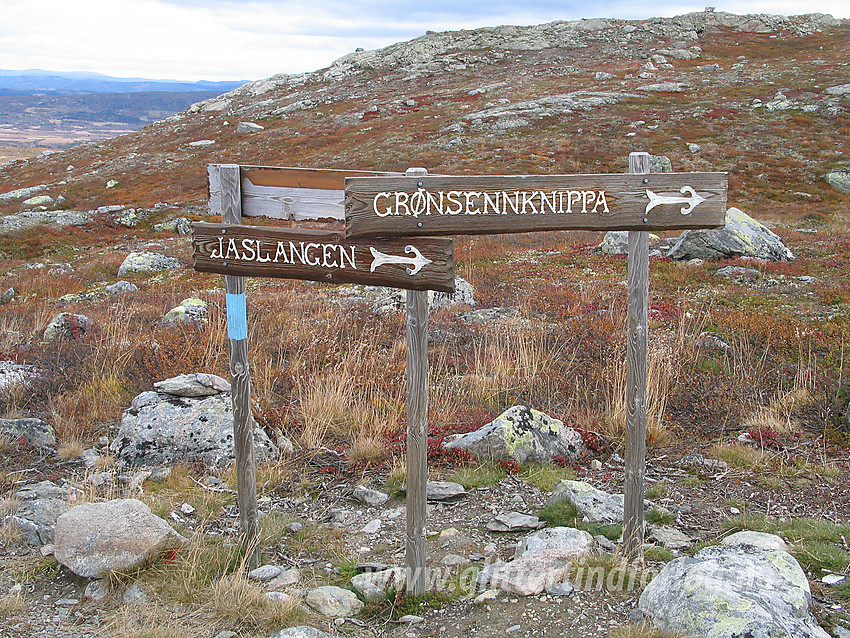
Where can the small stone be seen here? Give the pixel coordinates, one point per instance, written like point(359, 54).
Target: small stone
point(98, 590)
point(286, 578)
point(833, 579)
point(334, 602)
point(198, 143)
point(411, 619)
point(444, 491)
point(187, 509)
point(596, 465)
point(278, 597)
point(294, 528)
point(369, 496)
point(111, 183)
point(513, 628)
point(121, 288)
point(561, 589)
point(514, 522)
point(134, 595)
point(66, 602)
point(265, 572)
point(159, 474)
point(453, 560)
point(47, 550)
point(248, 127)
point(487, 596)
point(734, 511)
point(372, 527)
point(226, 634)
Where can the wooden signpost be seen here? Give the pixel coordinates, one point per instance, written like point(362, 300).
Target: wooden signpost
point(491, 204)
point(418, 204)
point(378, 206)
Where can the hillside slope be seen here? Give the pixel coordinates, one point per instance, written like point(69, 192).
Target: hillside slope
point(753, 93)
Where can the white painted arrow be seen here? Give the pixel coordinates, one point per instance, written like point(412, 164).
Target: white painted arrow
point(659, 200)
point(415, 264)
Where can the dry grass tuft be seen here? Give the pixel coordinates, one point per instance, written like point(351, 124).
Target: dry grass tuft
point(237, 601)
point(641, 630)
point(12, 604)
point(70, 449)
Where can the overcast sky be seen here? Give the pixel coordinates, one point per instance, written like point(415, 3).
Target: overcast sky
point(245, 40)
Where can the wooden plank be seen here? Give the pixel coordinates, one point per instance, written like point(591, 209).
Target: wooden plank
point(243, 421)
point(489, 204)
point(417, 440)
point(298, 194)
point(636, 366)
point(421, 263)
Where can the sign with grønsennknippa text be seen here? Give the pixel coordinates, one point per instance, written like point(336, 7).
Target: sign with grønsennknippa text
point(491, 204)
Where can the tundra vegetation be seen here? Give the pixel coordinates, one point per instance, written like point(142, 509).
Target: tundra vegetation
point(747, 373)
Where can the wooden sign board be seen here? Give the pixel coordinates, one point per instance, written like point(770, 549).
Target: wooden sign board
point(491, 204)
point(423, 263)
point(299, 194)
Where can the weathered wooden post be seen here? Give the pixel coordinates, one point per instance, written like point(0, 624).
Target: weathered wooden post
point(636, 363)
point(417, 432)
point(243, 421)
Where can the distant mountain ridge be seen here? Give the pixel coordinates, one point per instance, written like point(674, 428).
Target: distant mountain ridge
point(37, 81)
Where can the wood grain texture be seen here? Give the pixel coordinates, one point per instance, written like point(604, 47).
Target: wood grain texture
point(417, 439)
point(243, 422)
point(287, 193)
point(626, 197)
point(636, 367)
point(240, 250)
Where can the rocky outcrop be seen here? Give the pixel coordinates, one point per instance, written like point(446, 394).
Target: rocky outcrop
point(95, 539)
point(161, 429)
point(732, 592)
point(148, 262)
point(522, 434)
point(742, 236)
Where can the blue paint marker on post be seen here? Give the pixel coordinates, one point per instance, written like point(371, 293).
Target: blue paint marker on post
point(237, 317)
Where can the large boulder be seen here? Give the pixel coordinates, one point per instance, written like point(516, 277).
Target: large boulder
point(742, 236)
point(68, 325)
point(162, 429)
point(522, 434)
point(95, 539)
point(591, 503)
point(739, 591)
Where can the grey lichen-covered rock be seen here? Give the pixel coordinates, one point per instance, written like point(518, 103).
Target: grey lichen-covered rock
point(576, 542)
point(522, 434)
point(67, 325)
point(179, 225)
point(145, 262)
point(95, 539)
point(32, 218)
point(162, 429)
point(376, 585)
point(370, 496)
point(591, 503)
point(839, 180)
point(668, 537)
point(444, 491)
point(742, 236)
point(760, 540)
point(464, 295)
point(35, 432)
point(334, 602)
point(41, 504)
point(190, 311)
point(732, 592)
point(198, 384)
point(301, 631)
point(514, 522)
point(121, 288)
point(248, 127)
